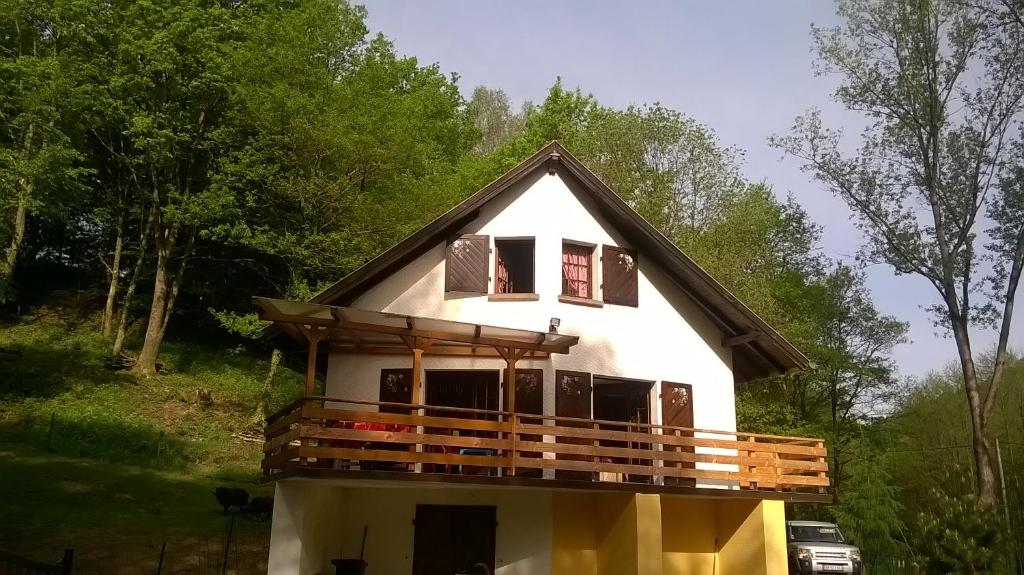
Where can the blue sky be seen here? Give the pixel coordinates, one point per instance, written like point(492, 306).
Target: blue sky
point(743, 67)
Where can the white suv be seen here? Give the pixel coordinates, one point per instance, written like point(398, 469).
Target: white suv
point(817, 547)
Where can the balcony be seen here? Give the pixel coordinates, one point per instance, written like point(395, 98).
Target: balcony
point(341, 438)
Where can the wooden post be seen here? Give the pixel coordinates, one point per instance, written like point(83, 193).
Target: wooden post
point(314, 341)
point(49, 436)
point(512, 471)
point(417, 378)
point(417, 375)
point(67, 563)
point(821, 445)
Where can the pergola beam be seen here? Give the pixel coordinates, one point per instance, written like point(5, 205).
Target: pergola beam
point(344, 325)
point(434, 350)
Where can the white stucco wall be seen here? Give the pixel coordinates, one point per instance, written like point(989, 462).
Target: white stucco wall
point(315, 521)
point(665, 338)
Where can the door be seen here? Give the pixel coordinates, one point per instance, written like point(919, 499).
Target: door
point(529, 400)
point(628, 401)
point(465, 388)
point(677, 411)
point(450, 539)
point(572, 399)
point(395, 386)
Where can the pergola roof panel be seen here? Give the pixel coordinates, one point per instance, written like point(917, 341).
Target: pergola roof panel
point(346, 325)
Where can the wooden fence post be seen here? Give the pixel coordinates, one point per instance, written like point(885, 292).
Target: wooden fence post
point(67, 563)
point(49, 436)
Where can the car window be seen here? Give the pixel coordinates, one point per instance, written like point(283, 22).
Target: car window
point(817, 533)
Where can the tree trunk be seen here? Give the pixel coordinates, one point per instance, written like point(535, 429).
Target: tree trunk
point(146, 363)
point(122, 321)
point(11, 256)
point(172, 292)
point(115, 279)
point(985, 478)
point(264, 405)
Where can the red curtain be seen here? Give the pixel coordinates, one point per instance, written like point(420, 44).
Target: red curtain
point(576, 271)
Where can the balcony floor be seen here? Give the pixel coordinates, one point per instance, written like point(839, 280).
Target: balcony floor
point(367, 478)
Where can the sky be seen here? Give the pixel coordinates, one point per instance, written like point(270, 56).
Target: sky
point(742, 67)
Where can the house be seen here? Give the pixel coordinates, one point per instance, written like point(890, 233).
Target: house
point(617, 452)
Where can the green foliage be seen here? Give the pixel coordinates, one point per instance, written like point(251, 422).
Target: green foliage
point(57, 366)
point(869, 511)
point(959, 536)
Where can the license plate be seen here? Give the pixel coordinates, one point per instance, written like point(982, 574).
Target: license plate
point(827, 567)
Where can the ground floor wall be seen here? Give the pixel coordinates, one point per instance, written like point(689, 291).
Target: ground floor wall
point(538, 532)
point(314, 523)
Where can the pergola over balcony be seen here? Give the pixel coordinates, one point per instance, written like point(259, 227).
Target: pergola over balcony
point(347, 329)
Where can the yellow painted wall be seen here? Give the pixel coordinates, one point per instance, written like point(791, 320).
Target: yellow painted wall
point(649, 534)
point(688, 532)
point(616, 534)
point(623, 534)
point(573, 534)
point(606, 534)
point(752, 536)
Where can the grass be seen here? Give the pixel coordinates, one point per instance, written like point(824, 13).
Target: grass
point(55, 365)
point(131, 462)
point(117, 516)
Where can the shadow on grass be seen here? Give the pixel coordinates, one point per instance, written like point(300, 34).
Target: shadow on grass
point(49, 500)
point(38, 359)
point(102, 440)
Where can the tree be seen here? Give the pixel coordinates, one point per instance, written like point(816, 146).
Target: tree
point(941, 90)
point(40, 167)
point(494, 119)
point(855, 368)
point(871, 514)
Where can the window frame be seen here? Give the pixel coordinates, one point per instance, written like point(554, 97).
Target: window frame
point(531, 295)
point(591, 275)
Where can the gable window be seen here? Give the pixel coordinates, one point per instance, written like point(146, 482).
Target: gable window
point(619, 273)
point(513, 266)
point(577, 269)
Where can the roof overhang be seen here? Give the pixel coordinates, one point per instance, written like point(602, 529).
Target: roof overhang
point(358, 330)
point(758, 349)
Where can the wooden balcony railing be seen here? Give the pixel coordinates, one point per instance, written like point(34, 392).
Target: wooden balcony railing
point(339, 434)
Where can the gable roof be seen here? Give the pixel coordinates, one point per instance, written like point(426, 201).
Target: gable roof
point(758, 349)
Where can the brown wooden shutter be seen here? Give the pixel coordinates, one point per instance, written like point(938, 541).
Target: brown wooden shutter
point(465, 264)
point(619, 268)
point(396, 387)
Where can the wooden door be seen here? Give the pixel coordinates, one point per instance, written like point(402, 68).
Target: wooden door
point(396, 386)
point(450, 539)
point(530, 401)
point(573, 391)
point(677, 411)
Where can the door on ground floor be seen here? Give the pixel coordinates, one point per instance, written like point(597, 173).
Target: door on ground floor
point(451, 539)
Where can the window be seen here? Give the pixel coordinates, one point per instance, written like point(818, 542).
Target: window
point(577, 271)
point(513, 265)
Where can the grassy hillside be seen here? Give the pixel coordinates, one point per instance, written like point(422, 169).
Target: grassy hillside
point(130, 462)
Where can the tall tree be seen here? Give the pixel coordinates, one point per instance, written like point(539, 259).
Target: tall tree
point(494, 118)
point(40, 167)
point(172, 80)
point(941, 89)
